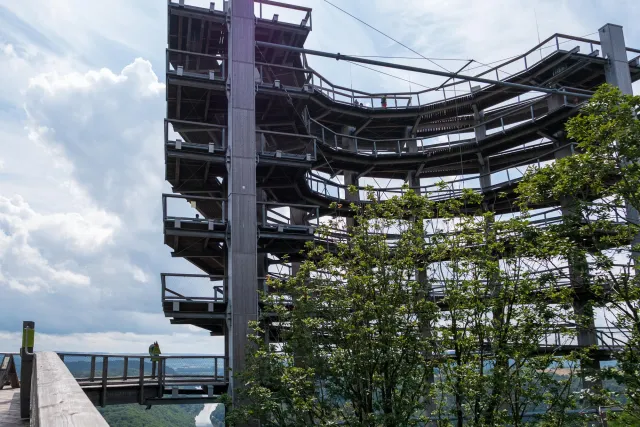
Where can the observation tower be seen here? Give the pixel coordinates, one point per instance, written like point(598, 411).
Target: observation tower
point(258, 145)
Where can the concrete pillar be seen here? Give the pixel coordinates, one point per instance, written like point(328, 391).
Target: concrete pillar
point(242, 265)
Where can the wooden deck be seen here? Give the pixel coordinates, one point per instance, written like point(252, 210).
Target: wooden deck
point(10, 408)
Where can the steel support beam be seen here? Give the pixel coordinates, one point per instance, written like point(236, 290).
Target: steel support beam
point(618, 74)
point(614, 50)
point(350, 177)
point(242, 252)
point(481, 134)
point(586, 335)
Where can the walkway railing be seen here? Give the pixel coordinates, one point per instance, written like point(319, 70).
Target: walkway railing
point(522, 114)
point(104, 370)
point(461, 90)
point(274, 215)
point(203, 137)
point(177, 288)
point(193, 210)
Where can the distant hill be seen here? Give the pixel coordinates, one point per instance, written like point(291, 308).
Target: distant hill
point(157, 416)
point(82, 369)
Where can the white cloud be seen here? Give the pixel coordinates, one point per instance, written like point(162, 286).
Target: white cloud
point(140, 72)
point(80, 205)
point(182, 341)
point(82, 159)
point(23, 266)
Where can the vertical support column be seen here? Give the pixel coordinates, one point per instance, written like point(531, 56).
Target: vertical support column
point(480, 131)
point(421, 275)
point(261, 258)
point(578, 267)
point(26, 367)
point(617, 73)
point(242, 251)
point(297, 218)
point(350, 177)
point(614, 50)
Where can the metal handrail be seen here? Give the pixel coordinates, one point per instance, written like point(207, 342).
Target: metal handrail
point(266, 220)
point(217, 73)
point(158, 377)
point(167, 217)
point(306, 21)
point(372, 148)
point(219, 291)
point(427, 188)
point(538, 47)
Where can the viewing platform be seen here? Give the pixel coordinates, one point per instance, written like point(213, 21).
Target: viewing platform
point(54, 389)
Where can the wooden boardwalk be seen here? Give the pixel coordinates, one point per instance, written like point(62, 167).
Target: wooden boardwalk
point(10, 408)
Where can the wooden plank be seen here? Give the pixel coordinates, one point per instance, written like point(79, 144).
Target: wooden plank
point(57, 398)
point(10, 408)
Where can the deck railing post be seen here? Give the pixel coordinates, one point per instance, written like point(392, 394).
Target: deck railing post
point(126, 367)
point(141, 381)
point(105, 374)
point(161, 370)
point(26, 369)
point(92, 370)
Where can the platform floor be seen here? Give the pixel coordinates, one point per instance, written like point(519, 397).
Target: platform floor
point(10, 408)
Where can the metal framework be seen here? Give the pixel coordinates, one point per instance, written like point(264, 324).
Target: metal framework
point(258, 145)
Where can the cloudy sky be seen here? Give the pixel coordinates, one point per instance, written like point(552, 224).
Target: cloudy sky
point(82, 100)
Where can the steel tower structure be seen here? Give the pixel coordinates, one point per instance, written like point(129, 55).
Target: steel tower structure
point(255, 139)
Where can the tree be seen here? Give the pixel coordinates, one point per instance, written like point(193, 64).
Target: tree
point(499, 308)
point(353, 324)
point(417, 287)
point(601, 185)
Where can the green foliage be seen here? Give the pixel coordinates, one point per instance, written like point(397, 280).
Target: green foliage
point(600, 188)
point(429, 312)
point(157, 416)
point(367, 344)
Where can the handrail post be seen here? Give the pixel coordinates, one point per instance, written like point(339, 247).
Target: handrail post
point(161, 363)
point(141, 380)
point(92, 370)
point(164, 207)
point(224, 139)
point(126, 368)
point(105, 374)
point(26, 369)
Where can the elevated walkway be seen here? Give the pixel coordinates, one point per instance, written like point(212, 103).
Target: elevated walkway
point(115, 379)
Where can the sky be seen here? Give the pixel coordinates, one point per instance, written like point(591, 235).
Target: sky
point(82, 102)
